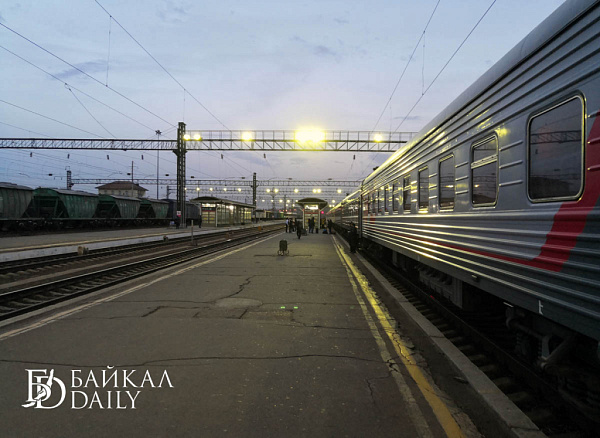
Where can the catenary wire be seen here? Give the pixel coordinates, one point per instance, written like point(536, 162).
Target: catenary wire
point(86, 74)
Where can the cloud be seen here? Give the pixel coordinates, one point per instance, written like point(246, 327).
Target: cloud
point(88, 67)
point(316, 49)
point(409, 118)
point(174, 12)
point(323, 51)
point(341, 21)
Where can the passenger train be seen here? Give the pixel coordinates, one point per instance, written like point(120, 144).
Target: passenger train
point(496, 202)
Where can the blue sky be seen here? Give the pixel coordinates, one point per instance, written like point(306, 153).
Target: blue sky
point(254, 64)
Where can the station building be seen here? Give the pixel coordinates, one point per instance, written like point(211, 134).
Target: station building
point(218, 212)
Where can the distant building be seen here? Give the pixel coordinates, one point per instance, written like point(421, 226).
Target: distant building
point(122, 188)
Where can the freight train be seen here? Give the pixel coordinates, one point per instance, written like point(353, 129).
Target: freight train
point(23, 208)
point(496, 202)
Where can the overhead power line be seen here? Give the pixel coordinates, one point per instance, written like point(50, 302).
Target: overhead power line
point(185, 90)
point(76, 89)
point(406, 66)
point(445, 65)
point(86, 74)
point(50, 118)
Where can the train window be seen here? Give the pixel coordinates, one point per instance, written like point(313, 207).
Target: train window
point(384, 203)
point(374, 202)
point(390, 198)
point(556, 152)
point(484, 171)
point(447, 192)
point(406, 193)
point(423, 188)
point(396, 196)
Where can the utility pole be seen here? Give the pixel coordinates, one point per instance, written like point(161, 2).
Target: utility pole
point(180, 152)
point(254, 194)
point(132, 194)
point(158, 133)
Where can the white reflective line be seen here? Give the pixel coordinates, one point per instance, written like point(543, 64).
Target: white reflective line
point(85, 306)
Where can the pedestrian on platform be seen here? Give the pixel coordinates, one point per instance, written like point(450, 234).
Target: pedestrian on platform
point(298, 229)
point(353, 237)
point(287, 225)
point(329, 225)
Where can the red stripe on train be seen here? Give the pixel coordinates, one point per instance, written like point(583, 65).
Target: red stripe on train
point(570, 219)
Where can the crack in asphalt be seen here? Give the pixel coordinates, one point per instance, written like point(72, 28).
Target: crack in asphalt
point(160, 362)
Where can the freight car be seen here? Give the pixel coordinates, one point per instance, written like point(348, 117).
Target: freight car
point(14, 201)
point(118, 210)
point(495, 204)
point(62, 208)
point(192, 212)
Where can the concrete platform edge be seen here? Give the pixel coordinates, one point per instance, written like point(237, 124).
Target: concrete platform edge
point(517, 423)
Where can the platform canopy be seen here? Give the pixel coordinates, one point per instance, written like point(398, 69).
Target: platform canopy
point(312, 201)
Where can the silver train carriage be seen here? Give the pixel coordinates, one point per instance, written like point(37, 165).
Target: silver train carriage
point(499, 194)
point(346, 211)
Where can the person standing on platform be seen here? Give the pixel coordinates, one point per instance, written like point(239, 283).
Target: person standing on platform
point(200, 221)
point(353, 237)
point(298, 229)
point(287, 225)
point(329, 225)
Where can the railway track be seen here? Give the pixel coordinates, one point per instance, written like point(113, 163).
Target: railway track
point(27, 299)
point(485, 340)
point(24, 266)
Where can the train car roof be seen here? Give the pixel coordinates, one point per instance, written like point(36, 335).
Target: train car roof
point(69, 192)
point(7, 185)
point(561, 18)
point(126, 198)
point(157, 201)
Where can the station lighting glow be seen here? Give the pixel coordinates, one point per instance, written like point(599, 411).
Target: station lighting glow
point(186, 136)
point(197, 189)
point(197, 137)
point(224, 189)
point(246, 136)
point(239, 190)
point(268, 190)
point(339, 190)
point(210, 189)
point(378, 138)
point(295, 190)
point(309, 136)
point(276, 190)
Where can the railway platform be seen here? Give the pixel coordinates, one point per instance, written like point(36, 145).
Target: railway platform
point(42, 245)
point(244, 343)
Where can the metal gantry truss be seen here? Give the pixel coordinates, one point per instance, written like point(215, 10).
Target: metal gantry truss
point(272, 140)
point(244, 188)
point(347, 141)
point(287, 140)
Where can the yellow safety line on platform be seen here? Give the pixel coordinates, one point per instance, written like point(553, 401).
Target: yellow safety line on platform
point(414, 411)
point(439, 408)
point(77, 309)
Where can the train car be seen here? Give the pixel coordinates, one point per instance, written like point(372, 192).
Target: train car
point(14, 201)
point(346, 212)
point(153, 209)
point(495, 203)
point(62, 208)
point(192, 212)
point(117, 210)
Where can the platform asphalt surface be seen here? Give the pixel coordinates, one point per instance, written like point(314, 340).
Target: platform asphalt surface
point(246, 343)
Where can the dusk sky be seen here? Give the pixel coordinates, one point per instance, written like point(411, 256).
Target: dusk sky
point(254, 64)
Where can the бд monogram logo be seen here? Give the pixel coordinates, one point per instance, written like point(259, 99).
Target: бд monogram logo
point(40, 389)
